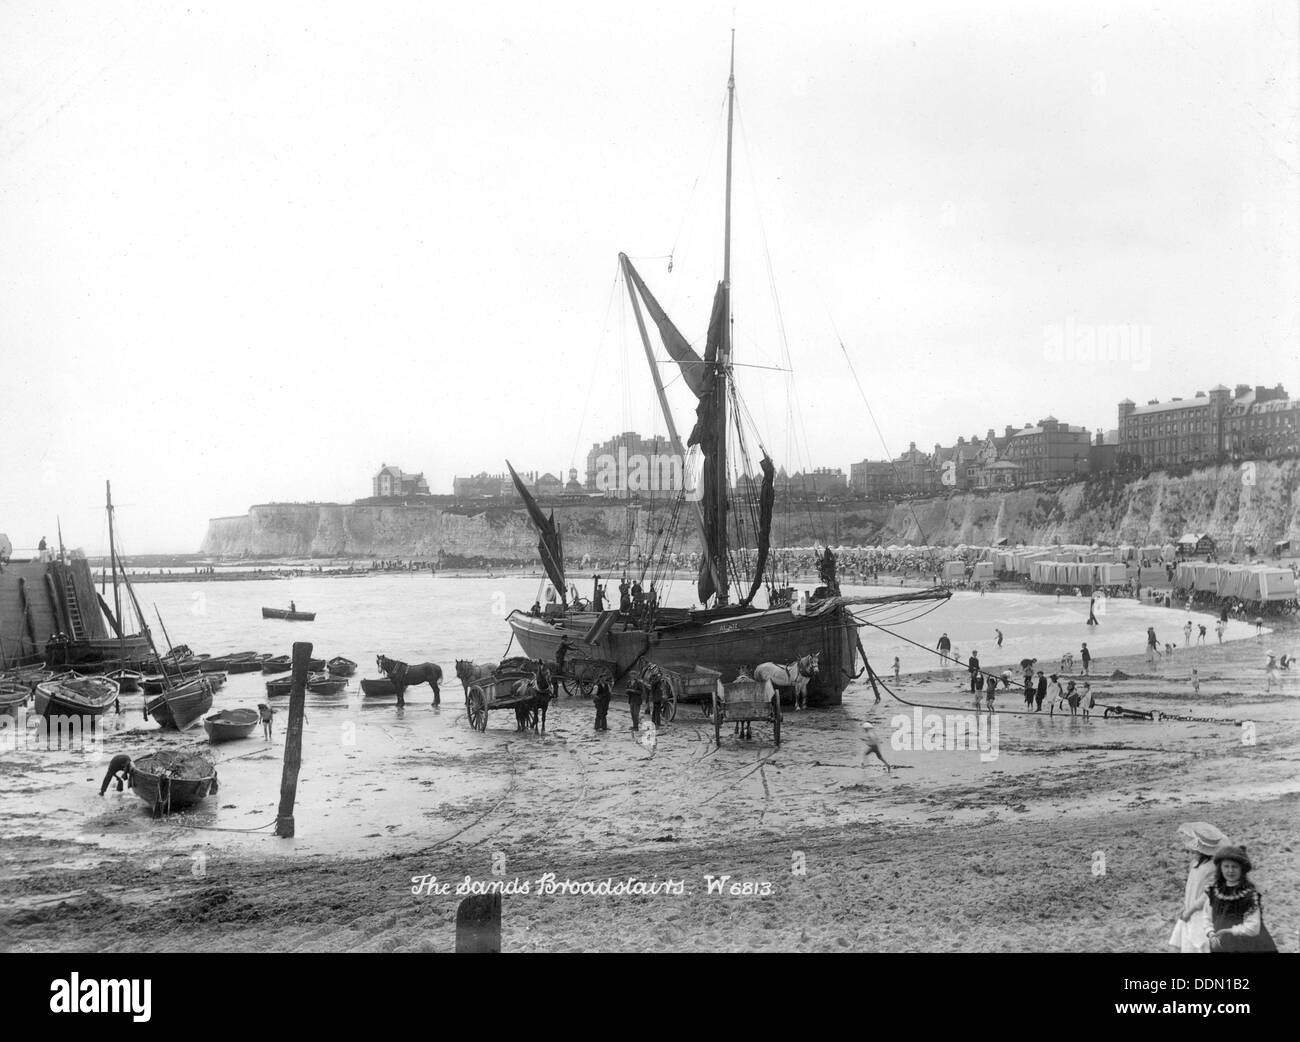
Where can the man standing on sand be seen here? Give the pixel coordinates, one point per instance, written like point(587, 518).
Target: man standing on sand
point(1219, 627)
point(1086, 656)
point(604, 692)
point(896, 672)
point(999, 633)
point(974, 666)
point(1152, 644)
point(945, 648)
point(1040, 693)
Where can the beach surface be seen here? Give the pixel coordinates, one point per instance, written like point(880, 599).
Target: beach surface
point(1039, 833)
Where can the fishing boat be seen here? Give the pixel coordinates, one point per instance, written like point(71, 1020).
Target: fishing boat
point(377, 688)
point(76, 696)
point(13, 696)
point(729, 632)
point(291, 616)
point(181, 706)
point(157, 683)
point(340, 667)
point(230, 724)
point(171, 780)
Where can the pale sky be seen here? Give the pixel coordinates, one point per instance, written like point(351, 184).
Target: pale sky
point(251, 251)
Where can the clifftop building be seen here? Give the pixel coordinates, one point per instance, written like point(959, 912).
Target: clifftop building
point(391, 481)
point(1209, 427)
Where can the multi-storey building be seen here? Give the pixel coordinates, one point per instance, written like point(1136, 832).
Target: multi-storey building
point(391, 481)
point(1209, 427)
point(1049, 450)
point(628, 464)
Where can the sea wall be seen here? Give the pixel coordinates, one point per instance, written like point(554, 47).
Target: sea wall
point(1245, 505)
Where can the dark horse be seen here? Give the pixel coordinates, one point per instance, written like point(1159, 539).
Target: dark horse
point(535, 694)
point(403, 676)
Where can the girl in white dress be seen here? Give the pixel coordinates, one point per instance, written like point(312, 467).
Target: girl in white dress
point(1203, 840)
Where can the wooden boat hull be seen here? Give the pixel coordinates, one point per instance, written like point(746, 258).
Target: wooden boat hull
point(90, 650)
point(83, 696)
point(181, 707)
point(154, 780)
point(340, 667)
point(377, 688)
point(290, 616)
point(727, 643)
point(13, 696)
point(155, 685)
point(280, 664)
point(128, 680)
point(316, 683)
point(230, 725)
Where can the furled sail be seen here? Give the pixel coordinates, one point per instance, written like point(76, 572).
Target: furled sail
point(549, 546)
point(700, 375)
point(766, 496)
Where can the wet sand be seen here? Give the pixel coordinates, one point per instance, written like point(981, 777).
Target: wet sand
point(1062, 841)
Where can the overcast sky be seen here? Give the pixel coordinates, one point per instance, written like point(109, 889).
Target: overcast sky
point(251, 251)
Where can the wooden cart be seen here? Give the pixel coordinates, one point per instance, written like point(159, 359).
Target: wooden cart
point(581, 674)
point(497, 692)
point(744, 701)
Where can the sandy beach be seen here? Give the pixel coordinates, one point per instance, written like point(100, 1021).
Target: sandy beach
point(1059, 837)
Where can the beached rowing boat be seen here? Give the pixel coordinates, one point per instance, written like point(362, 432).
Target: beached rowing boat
point(77, 696)
point(230, 724)
point(181, 707)
point(170, 780)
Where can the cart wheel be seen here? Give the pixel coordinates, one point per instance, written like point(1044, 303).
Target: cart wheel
point(670, 705)
point(776, 720)
point(478, 713)
point(586, 688)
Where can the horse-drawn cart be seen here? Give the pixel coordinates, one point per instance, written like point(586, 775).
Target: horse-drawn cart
point(509, 688)
point(744, 701)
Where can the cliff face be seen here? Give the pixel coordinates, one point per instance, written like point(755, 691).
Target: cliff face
point(1252, 504)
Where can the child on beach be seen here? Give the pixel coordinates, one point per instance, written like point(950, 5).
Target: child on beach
point(873, 746)
point(1057, 696)
point(896, 669)
point(1072, 697)
point(265, 713)
point(1270, 673)
point(1086, 701)
point(991, 688)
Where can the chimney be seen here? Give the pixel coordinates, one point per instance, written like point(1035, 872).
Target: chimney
point(1009, 431)
point(1241, 391)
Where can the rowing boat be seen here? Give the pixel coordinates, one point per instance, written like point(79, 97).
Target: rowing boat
point(340, 667)
point(77, 696)
point(279, 664)
point(377, 688)
point(230, 724)
point(13, 696)
point(291, 616)
point(170, 780)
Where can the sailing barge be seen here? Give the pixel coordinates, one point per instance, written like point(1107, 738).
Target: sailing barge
point(729, 633)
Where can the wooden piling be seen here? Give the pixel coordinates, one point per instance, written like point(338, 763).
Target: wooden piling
point(293, 740)
point(478, 924)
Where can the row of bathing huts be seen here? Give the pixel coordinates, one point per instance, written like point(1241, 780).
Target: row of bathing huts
point(1115, 571)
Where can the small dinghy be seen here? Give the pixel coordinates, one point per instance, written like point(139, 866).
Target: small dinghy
point(230, 724)
point(171, 780)
point(340, 667)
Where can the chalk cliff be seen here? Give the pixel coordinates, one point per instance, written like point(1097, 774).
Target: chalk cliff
point(1251, 504)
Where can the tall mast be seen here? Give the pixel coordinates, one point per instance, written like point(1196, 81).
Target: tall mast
point(724, 357)
point(112, 553)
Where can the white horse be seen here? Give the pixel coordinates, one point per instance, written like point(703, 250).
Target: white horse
point(796, 675)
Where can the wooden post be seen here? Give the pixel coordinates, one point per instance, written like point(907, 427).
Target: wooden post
point(478, 924)
point(293, 740)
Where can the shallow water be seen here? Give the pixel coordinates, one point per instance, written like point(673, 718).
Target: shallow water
point(375, 778)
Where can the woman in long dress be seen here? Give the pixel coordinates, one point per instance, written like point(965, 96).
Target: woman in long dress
point(1192, 927)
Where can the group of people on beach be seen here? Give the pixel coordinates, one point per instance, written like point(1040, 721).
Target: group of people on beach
point(1222, 909)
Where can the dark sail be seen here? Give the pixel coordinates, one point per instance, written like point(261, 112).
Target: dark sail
point(766, 496)
point(700, 375)
point(549, 547)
